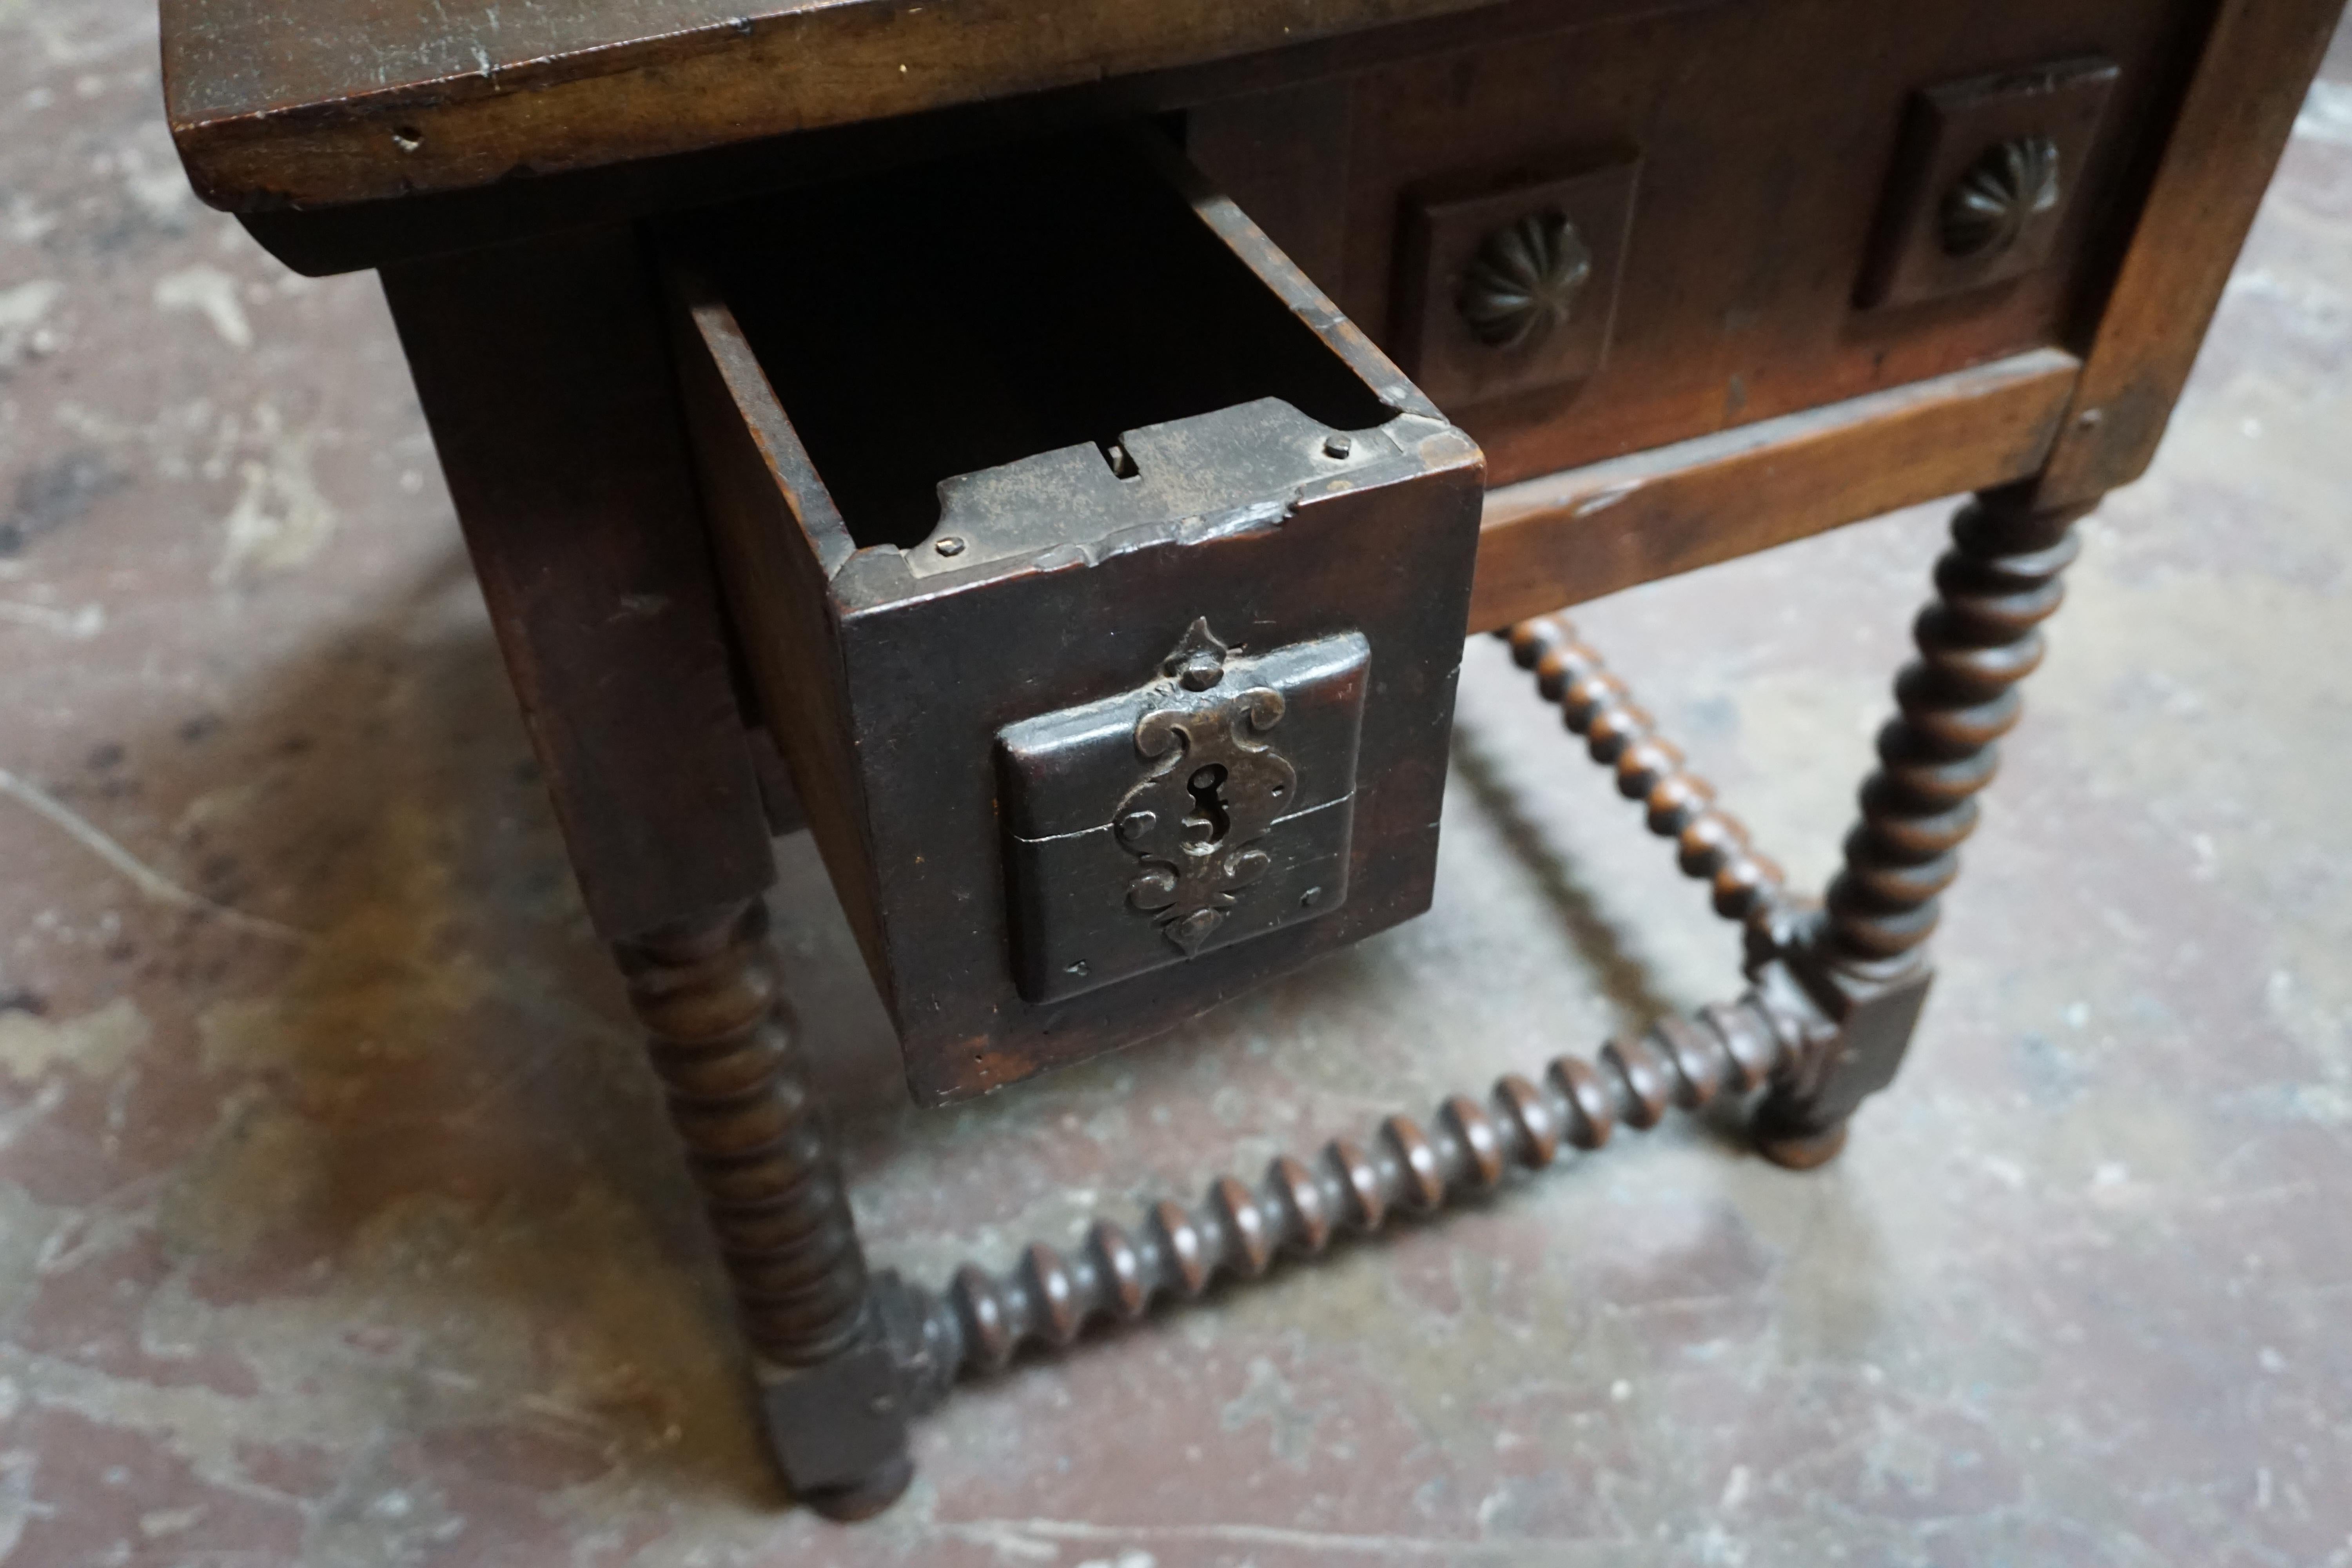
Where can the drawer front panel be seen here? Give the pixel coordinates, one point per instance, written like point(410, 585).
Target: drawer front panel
point(1770, 136)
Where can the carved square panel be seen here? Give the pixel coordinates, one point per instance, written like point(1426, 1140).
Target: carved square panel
point(1984, 179)
point(1509, 282)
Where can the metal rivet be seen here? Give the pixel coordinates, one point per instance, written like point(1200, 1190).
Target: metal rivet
point(950, 546)
point(2089, 418)
point(1076, 966)
point(1136, 823)
point(1310, 898)
point(1337, 445)
point(406, 139)
point(1200, 671)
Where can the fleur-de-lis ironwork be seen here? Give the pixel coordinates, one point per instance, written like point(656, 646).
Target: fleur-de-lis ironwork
point(1217, 788)
point(1524, 282)
point(2010, 184)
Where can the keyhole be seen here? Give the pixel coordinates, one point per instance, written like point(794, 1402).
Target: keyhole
point(1208, 809)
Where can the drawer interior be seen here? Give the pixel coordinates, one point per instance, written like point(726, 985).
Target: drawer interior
point(954, 317)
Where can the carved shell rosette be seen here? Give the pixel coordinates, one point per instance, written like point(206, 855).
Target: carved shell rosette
point(2009, 185)
point(1524, 281)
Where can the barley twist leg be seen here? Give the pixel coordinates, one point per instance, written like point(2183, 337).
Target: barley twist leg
point(1406, 1169)
point(757, 1145)
point(1976, 639)
point(1710, 844)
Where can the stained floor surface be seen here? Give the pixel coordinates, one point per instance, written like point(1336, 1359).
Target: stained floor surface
point(338, 1224)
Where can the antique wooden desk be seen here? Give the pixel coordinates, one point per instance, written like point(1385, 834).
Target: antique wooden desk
point(897, 416)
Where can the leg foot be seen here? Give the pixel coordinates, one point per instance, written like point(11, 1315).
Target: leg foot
point(864, 1499)
point(1802, 1151)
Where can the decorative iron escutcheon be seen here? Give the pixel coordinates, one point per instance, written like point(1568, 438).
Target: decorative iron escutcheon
point(1213, 803)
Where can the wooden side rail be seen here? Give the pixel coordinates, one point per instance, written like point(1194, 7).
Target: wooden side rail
point(1565, 538)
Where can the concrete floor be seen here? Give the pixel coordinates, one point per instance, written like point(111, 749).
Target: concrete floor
point(338, 1225)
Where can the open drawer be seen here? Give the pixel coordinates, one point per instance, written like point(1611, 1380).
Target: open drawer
point(1104, 588)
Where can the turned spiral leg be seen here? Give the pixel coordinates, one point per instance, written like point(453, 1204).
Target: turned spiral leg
point(1300, 1207)
point(1976, 639)
point(1710, 844)
point(758, 1147)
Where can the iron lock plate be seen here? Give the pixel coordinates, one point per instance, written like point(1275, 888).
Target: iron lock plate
point(1213, 803)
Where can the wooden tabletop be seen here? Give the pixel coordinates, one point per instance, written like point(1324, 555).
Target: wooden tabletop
point(317, 102)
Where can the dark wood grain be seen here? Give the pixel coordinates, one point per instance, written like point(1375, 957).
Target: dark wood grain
point(1283, 157)
point(417, 215)
point(1566, 538)
point(2249, 81)
point(1767, 134)
point(339, 100)
point(745, 443)
point(544, 379)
